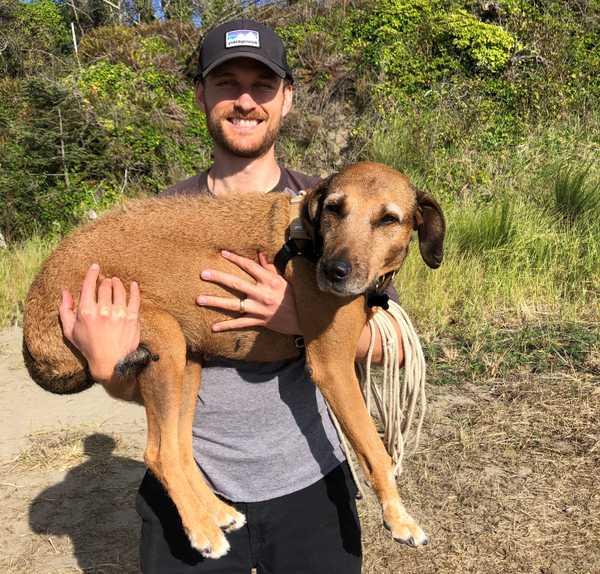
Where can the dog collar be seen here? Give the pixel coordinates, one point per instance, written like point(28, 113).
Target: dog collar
point(298, 241)
point(377, 297)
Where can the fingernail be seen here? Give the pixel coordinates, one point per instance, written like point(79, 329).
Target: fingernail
point(201, 300)
point(216, 328)
point(206, 275)
point(95, 266)
point(225, 253)
point(134, 283)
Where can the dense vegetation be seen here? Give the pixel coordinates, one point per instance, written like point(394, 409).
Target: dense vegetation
point(493, 106)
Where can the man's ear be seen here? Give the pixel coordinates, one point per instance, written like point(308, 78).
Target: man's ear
point(312, 205)
point(431, 227)
point(288, 98)
point(200, 95)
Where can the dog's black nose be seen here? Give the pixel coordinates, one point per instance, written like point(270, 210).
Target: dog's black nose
point(337, 269)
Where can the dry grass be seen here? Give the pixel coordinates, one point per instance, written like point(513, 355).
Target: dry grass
point(66, 448)
point(68, 505)
point(506, 482)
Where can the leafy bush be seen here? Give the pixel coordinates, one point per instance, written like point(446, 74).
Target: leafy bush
point(106, 81)
point(487, 47)
point(35, 34)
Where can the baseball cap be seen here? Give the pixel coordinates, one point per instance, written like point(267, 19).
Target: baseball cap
point(243, 39)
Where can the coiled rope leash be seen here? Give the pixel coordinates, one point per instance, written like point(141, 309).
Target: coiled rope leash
point(398, 403)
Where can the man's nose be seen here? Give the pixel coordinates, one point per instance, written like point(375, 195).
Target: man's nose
point(245, 102)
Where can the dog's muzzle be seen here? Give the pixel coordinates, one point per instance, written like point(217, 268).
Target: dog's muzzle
point(337, 270)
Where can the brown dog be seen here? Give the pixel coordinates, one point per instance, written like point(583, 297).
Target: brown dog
point(359, 221)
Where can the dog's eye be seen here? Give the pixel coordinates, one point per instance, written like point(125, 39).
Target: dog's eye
point(388, 219)
point(335, 208)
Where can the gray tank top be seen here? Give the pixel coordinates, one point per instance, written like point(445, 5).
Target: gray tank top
point(261, 430)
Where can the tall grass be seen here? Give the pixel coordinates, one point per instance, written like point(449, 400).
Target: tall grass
point(575, 195)
point(481, 230)
point(523, 236)
point(18, 266)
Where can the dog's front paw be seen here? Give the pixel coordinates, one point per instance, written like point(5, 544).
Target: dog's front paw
point(209, 541)
point(403, 527)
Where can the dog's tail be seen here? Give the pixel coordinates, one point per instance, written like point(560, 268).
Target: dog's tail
point(55, 380)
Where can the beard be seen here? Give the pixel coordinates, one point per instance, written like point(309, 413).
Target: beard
point(239, 147)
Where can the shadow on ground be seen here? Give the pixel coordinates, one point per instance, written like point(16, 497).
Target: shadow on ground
point(94, 507)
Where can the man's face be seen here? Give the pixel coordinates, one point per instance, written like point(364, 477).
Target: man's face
point(245, 103)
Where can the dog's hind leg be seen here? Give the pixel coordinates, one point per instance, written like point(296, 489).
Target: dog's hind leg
point(224, 515)
point(162, 389)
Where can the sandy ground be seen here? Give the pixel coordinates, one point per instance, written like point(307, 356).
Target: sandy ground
point(69, 470)
point(507, 479)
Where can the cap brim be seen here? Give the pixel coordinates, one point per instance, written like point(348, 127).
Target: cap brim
point(233, 55)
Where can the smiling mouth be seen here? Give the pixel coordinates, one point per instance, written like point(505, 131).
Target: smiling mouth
point(244, 123)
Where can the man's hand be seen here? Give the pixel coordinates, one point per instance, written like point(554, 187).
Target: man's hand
point(104, 327)
point(269, 301)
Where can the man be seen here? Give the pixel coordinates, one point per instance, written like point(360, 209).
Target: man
point(262, 435)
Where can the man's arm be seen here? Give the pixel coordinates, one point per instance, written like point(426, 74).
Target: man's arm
point(365, 340)
point(271, 303)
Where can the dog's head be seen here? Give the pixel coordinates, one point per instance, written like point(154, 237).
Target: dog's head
point(362, 220)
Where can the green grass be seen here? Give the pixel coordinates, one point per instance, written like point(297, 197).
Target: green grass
point(575, 196)
point(18, 266)
point(490, 228)
point(522, 254)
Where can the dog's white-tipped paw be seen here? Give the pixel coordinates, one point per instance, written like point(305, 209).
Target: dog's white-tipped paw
point(402, 526)
point(235, 523)
point(217, 549)
point(410, 534)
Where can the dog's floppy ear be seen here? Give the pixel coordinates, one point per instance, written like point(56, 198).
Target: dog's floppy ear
point(311, 207)
point(431, 227)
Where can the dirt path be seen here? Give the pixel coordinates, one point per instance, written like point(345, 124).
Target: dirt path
point(507, 479)
point(69, 469)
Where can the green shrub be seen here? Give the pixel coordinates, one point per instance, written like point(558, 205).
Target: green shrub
point(106, 81)
point(35, 35)
point(486, 46)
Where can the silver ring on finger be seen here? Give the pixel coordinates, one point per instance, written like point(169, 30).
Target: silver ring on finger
point(242, 306)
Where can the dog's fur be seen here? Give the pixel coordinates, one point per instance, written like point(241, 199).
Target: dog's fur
point(363, 217)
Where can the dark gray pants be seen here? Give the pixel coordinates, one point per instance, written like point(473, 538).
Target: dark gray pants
point(312, 531)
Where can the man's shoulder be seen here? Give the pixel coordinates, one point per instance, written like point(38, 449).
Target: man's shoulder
point(190, 186)
point(297, 181)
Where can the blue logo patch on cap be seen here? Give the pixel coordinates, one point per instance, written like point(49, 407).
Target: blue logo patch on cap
point(237, 38)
